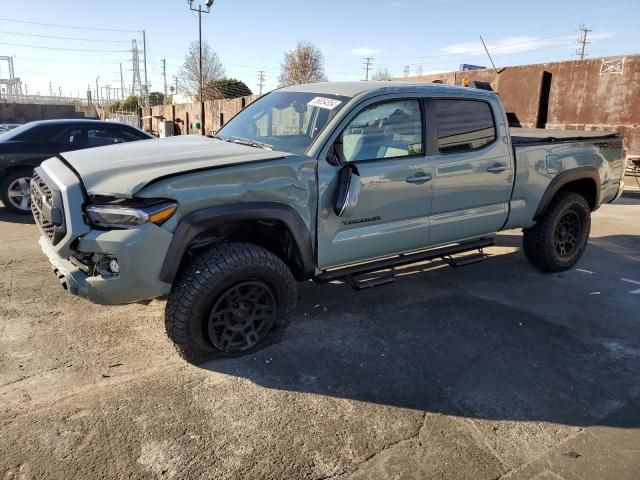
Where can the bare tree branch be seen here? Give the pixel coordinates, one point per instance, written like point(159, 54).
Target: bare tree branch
point(189, 75)
point(303, 64)
point(382, 75)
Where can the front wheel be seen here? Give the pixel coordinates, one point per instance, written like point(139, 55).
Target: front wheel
point(560, 237)
point(229, 300)
point(15, 191)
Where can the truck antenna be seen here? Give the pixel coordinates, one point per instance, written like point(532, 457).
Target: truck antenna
point(489, 55)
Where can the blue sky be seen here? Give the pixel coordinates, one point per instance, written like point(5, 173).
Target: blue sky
point(251, 35)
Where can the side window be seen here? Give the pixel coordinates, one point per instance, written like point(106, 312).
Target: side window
point(464, 125)
point(385, 130)
point(122, 136)
point(98, 137)
point(73, 136)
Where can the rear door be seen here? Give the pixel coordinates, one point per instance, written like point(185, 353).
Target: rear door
point(384, 140)
point(473, 172)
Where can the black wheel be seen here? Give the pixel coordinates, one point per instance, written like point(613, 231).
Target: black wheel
point(229, 300)
point(15, 191)
point(559, 239)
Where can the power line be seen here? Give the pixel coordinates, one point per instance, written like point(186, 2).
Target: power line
point(2, 19)
point(63, 49)
point(582, 40)
point(63, 38)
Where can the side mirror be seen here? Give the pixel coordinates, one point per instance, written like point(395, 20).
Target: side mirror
point(347, 191)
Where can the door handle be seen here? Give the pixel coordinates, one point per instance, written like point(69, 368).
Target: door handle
point(419, 178)
point(497, 168)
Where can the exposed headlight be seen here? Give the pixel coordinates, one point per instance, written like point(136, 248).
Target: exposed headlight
point(125, 215)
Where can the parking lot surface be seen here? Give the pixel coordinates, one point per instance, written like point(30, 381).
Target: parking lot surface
point(493, 370)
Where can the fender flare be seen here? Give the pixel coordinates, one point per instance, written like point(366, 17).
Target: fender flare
point(562, 179)
point(210, 218)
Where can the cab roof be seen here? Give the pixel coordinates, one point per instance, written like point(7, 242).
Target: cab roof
point(351, 89)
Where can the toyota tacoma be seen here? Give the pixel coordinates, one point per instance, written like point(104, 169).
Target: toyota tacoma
point(323, 182)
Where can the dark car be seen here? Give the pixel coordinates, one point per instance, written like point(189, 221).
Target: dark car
point(24, 148)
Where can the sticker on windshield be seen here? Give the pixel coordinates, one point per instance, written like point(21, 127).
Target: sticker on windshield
point(323, 102)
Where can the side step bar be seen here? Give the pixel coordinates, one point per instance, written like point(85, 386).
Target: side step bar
point(348, 273)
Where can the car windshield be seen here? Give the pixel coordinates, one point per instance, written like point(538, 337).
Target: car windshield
point(284, 121)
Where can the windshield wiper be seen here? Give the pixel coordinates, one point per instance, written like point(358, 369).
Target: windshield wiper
point(251, 143)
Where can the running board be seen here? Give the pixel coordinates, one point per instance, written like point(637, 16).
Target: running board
point(349, 274)
point(464, 261)
point(358, 283)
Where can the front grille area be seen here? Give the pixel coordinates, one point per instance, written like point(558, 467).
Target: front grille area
point(46, 206)
point(41, 193)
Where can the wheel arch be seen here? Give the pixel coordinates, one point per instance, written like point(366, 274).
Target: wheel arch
point(582, 180)
point(259, 223)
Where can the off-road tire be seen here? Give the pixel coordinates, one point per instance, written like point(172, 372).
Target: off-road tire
point(205, 277)
point(4, 189)
point(539, 241)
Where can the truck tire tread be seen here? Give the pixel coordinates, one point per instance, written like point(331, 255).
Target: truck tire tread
point(201, 275)
point(537, 240)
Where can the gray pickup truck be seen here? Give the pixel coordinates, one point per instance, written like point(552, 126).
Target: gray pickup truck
point(328, 181)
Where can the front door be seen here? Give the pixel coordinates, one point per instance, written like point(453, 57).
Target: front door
point(473, 173)
point(384, 141)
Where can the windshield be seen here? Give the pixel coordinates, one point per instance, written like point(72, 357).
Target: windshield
point(285, 121)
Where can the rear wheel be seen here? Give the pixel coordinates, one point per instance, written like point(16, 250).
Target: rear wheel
point(229, 300)
point(560, 237)
point(15, 191)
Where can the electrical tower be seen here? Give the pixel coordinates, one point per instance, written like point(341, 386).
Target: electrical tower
point(407, 70)
point(367, 66)
point(261, 79)
point(582, 40)
point(12, 85)
point(136, 85)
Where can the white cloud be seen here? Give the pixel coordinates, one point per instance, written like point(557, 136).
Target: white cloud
point(519, 44)
point(364, 51)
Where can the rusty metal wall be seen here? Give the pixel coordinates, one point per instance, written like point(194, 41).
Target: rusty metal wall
point(595, 94)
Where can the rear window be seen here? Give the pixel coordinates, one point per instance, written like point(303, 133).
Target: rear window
point(464, 125)
point(31, 132)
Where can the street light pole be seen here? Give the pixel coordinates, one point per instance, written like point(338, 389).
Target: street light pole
point(200, 11)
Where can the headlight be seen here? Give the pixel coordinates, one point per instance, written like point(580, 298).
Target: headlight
point(130, 215)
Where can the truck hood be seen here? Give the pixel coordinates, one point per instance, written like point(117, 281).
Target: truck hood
point(122, 170)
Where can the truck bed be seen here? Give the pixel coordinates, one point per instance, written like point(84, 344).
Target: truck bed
point(523, 136)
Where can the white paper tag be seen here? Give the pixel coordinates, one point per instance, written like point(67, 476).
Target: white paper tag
point(323, 102)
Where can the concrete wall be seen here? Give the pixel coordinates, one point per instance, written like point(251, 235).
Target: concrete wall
point(216, 114)
point(29, 112)
point(595, 94)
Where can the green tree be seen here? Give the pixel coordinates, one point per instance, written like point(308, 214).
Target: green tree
point(228, 88)
point(156, 98)
point(130, 104)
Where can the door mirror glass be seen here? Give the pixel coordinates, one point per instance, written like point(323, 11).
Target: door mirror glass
point(384, 130)
point(347, 191)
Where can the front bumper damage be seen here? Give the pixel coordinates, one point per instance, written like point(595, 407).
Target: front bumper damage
point(139, 252)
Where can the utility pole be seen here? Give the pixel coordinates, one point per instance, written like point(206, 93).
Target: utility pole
point(97, 91)
point(146, 84)
point(582, 40)
point(121, 83)
point(164, 75)
point(60, 90)
point(407, 70)
point(175, 79)
point(261, 80)
point(367, 65)
point(50, 90)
